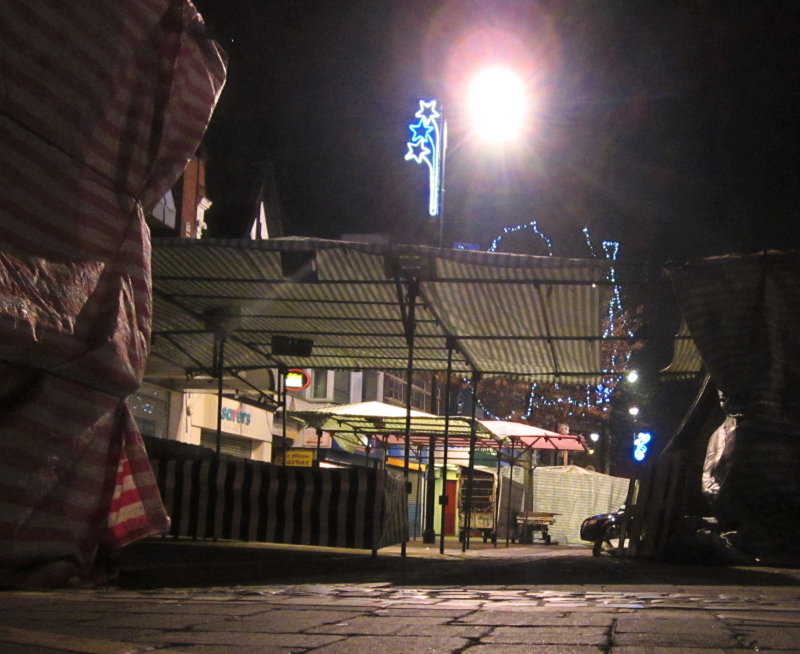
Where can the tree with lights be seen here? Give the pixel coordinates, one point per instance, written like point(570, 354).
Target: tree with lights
point(550, 404)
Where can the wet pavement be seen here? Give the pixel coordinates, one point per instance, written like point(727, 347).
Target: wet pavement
point(179, 596)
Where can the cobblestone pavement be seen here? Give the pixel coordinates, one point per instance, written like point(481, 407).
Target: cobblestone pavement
point(632, 608)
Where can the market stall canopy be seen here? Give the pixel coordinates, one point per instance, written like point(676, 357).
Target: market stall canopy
point(532, 437)
point(686, 361)
point(367, 419)
point(334, 305)
point(387, 421)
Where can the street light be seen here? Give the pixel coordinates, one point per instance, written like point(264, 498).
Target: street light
point(497, 104)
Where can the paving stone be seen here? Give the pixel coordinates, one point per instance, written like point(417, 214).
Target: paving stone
point(751, 617)
point(549, 636)
point(672, 639)
point(151, 620)
point(234, 639)
point(374, 625)
point(62, 643)
point(771, 637)
point(452, 630)
point(16, 648)
point(645, 624)
point(538, 619)
point(281, 621)
point(412, 613)
point(670, 650)
point(245, 649)
point(129, 634)
point(404, 644)
point(535, 649)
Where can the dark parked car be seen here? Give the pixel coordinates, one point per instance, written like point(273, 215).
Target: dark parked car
point(603, 531)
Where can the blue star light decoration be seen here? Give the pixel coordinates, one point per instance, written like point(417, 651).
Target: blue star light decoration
point(427, 146)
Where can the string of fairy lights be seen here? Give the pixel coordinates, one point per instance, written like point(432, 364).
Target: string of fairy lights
point(591, 396)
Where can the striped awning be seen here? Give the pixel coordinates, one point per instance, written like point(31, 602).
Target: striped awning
point(742, 312)
point(311, 303)
point(686, 361)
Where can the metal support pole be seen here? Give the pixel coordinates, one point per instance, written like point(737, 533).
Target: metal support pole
point(498, 499)
point(413, 290)
point(510, 484)
point(443, 499)
point(471, 468)
point(219, 359)
point(429, 533)
point(282, 384)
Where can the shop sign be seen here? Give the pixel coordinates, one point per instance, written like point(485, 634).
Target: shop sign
point(235, 415)
point(297, 380)
point(300, 458)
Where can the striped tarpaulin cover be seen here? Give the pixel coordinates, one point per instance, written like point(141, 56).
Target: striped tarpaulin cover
point(237, 499)
point(743, 312)
point(100, 107)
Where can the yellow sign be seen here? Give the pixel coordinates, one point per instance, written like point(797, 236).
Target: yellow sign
point(300, 458)
point(297, 380)
point(400, 463)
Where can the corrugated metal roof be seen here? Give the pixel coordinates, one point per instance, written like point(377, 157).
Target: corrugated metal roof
point(538, 318)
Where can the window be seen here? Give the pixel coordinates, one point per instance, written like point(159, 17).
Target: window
point(165, 212)
point(321, 385)
point(341, 388)
point(394, 391)
point(150, 408)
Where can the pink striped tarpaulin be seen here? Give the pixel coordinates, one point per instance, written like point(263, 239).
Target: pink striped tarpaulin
point(101, 105)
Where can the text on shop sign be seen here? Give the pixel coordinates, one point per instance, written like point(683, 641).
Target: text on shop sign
point(236, 415)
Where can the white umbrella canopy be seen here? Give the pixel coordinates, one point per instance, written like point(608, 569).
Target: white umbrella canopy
point(388, 421)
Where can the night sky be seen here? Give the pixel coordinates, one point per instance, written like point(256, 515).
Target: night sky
point(671, 127)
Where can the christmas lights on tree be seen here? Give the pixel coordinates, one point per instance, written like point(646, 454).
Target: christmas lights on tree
point(576, 399)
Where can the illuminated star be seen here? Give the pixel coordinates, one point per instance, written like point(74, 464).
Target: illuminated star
point(427, 110)
point(418, 151)
point(420, 131)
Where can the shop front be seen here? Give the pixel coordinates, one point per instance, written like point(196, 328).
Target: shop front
point(245, 429)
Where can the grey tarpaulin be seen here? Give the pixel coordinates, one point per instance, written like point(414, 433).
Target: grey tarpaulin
point(743, 314)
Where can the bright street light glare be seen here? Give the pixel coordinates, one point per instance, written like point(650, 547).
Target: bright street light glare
point(497, 104)
point(633, 376)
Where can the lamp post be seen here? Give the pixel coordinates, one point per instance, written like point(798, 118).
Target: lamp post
point(494, 92)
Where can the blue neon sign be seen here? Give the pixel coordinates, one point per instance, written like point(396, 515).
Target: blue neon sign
point(640, 444)
point(427, 144)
